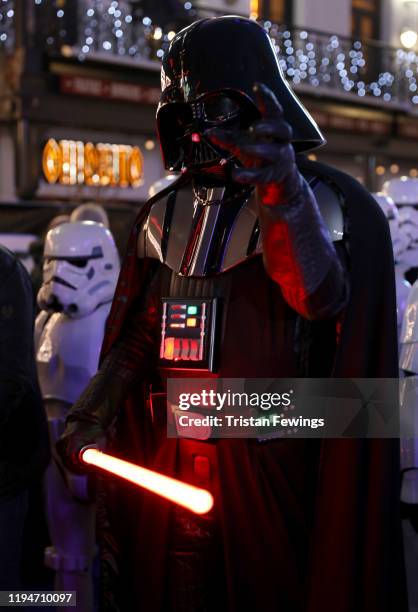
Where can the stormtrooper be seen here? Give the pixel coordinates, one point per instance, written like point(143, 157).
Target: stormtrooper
point(254, 263)
point(404, 192)
point(80, 271)
point(407, 303)
point(409, 441)
point(409, 395)
point(400, 242)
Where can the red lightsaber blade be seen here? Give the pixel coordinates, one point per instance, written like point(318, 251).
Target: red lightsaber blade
point(197, 500)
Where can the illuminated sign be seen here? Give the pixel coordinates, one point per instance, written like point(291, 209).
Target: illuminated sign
point(72, 162)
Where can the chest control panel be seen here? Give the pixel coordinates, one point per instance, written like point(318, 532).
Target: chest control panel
point(188, 333)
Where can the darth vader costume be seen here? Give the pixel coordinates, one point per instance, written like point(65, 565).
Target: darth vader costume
point(271, 251)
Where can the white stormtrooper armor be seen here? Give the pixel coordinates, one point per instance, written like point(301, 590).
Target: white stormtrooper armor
point(81, 267)
point(409, 398)
point(400, 243)
point(400, 240)
point(409, 335)
point(409, 220)
point(404, 192)
point(68, 351)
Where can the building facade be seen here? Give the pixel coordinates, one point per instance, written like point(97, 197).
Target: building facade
point(80, 83)
point(354, 64)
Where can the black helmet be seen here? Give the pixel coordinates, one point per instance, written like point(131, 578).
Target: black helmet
point(223, 55)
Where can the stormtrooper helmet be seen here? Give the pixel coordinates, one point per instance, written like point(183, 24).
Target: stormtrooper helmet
point(400, 239)
point(81, 268)
point(404, 192)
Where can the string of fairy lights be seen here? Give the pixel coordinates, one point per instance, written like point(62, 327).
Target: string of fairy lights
point(120, 28)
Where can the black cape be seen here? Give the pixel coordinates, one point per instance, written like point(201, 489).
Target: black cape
point(355, 558)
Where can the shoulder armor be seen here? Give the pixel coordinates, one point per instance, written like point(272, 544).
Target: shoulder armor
point(330, 204)
point(196, 240)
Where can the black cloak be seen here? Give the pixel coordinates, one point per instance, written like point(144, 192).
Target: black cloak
point(24, 445)
point(355, 559)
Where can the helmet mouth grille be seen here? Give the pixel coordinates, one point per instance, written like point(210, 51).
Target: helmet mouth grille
point(182, 126)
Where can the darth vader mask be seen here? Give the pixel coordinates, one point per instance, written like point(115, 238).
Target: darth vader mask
point(188, 122)
point(207, 81)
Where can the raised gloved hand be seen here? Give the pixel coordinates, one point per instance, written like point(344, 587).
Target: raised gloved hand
point(88, 421)
point(264, 150)
point(297, 251)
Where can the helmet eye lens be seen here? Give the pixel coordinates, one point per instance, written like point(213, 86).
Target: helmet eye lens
point(79, 263)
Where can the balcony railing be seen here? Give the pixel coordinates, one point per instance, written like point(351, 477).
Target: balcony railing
point(120, 32)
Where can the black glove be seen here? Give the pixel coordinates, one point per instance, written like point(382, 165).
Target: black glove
point(264, 150)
